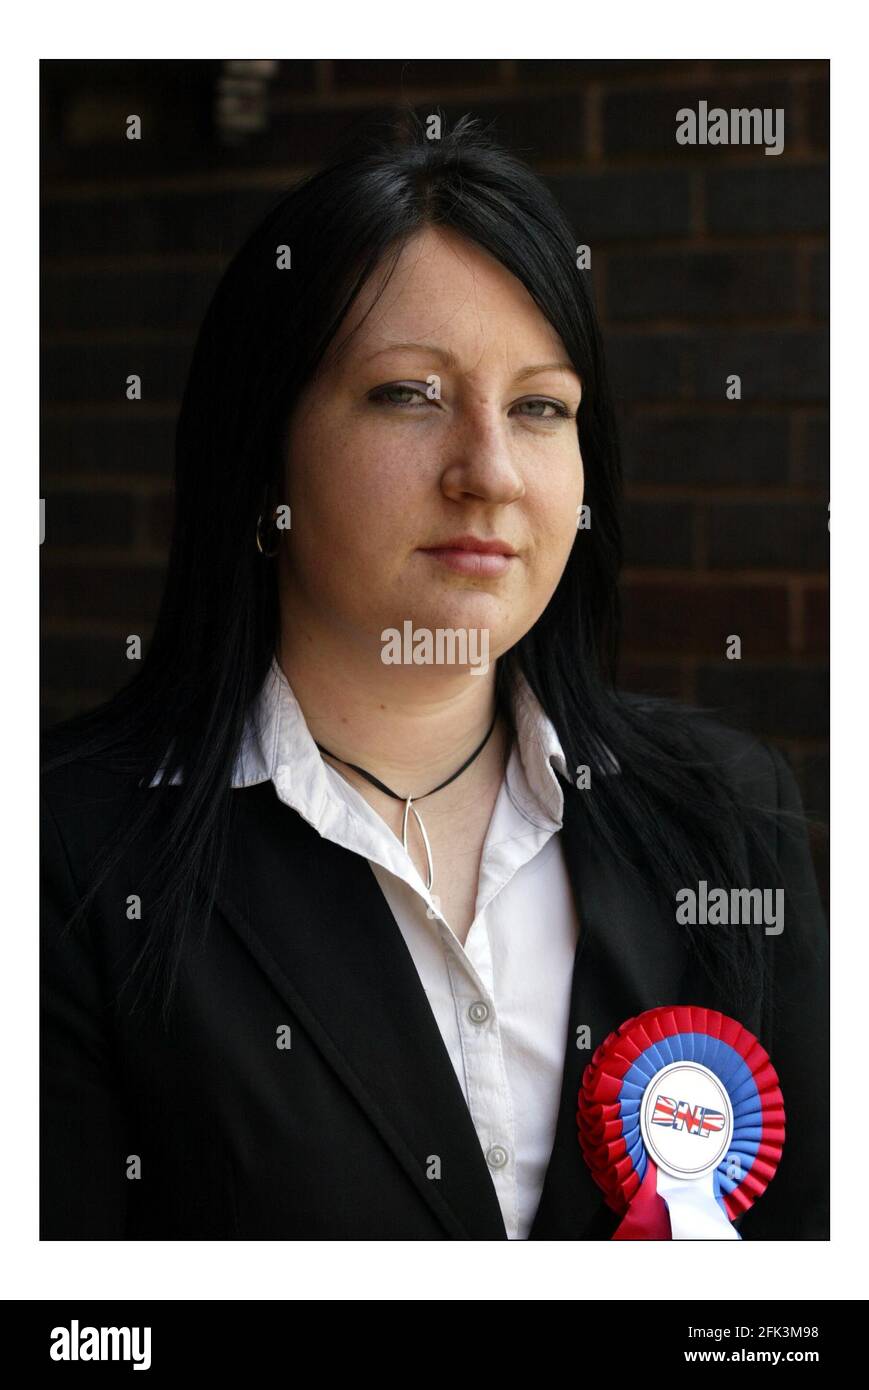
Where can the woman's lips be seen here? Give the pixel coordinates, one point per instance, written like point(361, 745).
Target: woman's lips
point(474, 562)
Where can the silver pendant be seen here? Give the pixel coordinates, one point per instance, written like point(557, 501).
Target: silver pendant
point(408, 807)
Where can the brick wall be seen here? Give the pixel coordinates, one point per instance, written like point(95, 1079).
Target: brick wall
point(706, 261)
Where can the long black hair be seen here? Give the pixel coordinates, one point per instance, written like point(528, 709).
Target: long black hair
point(669, 817)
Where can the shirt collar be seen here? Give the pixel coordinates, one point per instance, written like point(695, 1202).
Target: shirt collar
point(277, 735)
point(277, 746)
point(539, 750)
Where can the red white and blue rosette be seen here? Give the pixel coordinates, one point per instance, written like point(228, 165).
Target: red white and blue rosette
point(681, 1121)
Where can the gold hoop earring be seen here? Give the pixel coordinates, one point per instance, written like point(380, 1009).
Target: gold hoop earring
point(269, 554)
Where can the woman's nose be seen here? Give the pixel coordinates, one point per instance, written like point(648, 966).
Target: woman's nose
point(480, 461)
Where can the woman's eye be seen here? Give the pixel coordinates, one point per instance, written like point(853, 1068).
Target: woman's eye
point(537, 409)
point(382, 394)
point(558, 410)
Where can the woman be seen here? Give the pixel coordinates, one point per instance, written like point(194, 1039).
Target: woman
point(345, 889)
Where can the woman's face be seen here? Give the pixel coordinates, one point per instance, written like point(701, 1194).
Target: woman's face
point(386, 468)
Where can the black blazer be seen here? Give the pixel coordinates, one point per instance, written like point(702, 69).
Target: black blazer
point(331, 1137)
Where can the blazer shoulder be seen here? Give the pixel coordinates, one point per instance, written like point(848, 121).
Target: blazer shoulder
point(751, 764)
point(753, 767)
point(82, 802)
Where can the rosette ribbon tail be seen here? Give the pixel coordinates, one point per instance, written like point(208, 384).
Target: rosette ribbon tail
point(647, 1218)
point(695, 1213)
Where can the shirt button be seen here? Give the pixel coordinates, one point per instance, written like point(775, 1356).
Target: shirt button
point(478, 1012)
point(496, 1157)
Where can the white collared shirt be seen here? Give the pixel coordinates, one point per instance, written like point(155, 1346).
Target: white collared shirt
point(501, 1001)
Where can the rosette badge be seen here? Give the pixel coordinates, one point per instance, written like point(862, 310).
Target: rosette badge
point(681, 1121)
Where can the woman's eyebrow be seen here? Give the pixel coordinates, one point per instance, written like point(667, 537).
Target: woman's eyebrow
point(450, 360)
point(447, 357)
point(547, 367)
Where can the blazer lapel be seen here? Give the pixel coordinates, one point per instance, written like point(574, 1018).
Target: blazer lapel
point(630, 957)
point(313, 916)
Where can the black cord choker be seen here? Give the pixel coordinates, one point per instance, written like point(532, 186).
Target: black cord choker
point(409, 800)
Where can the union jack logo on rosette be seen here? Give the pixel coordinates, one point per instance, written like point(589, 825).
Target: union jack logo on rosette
point(681, 1122)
